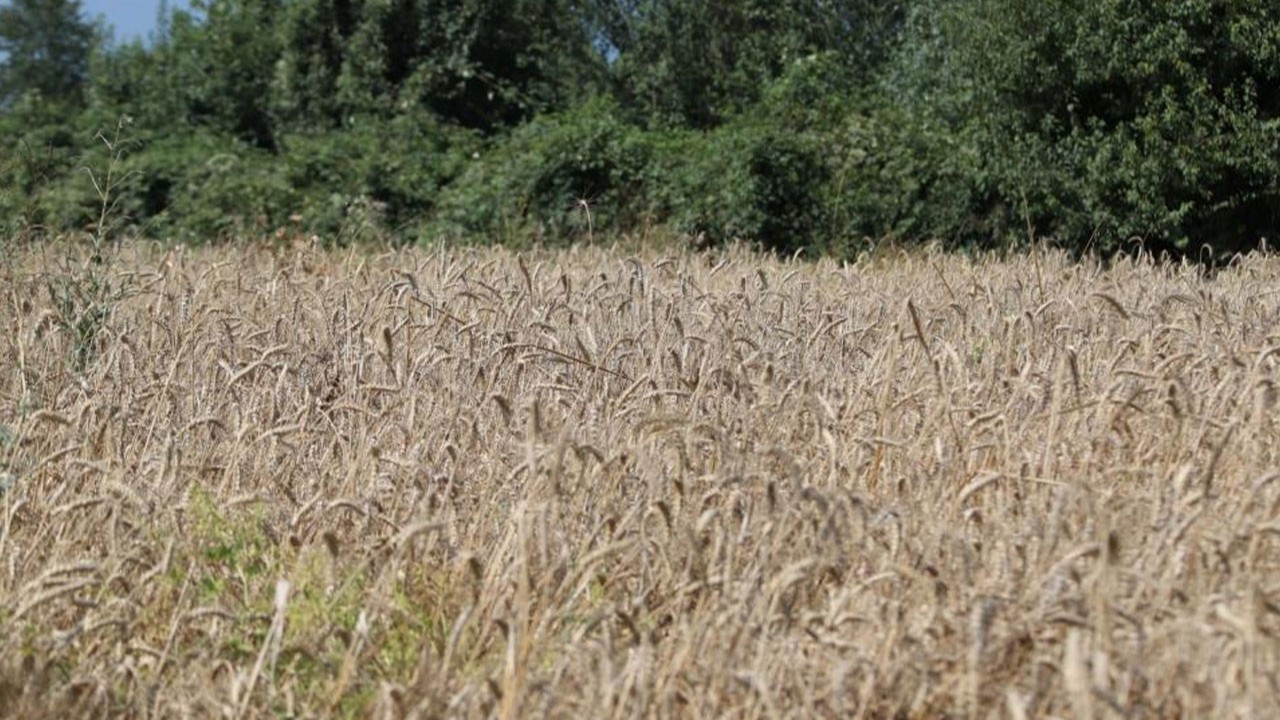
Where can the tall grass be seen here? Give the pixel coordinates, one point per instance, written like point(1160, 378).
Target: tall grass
point(462, 483)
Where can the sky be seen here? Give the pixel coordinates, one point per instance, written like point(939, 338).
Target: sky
point(131, 18)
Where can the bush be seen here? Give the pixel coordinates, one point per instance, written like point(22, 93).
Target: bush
point(909, 176)
point(41, 188)
point(202, 187)
point(827, 165)
point(875, 170)
point(391, 168)
point(564, 176)
point(748, 180)
point(560, 176)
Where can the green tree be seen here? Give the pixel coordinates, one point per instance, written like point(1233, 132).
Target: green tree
point(208, 69)
point(483, 64)
point(1101, 122)
point(45, 46)
point(316, 35)
point(235, 49)
point(681, 62)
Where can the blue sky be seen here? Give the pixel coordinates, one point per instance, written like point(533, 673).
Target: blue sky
point(131, 18)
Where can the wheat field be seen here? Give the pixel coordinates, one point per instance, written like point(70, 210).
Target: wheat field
point(589, 483)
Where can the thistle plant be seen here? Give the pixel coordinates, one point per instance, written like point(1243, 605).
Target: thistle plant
point(84, 294)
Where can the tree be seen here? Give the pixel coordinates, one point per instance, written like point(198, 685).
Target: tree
point(237, 48)
point(315, 47)
point(482, 64)
point(697, 62)
point(46, 46)
point(1101, 122)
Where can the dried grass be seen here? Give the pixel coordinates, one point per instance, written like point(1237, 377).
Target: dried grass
point(464, 483)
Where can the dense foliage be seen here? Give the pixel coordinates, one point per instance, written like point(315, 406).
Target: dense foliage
point(799, 125)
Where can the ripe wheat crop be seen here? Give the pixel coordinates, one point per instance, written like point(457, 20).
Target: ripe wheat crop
point(592, 484)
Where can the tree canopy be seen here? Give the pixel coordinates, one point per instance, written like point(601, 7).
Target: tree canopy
point(46, 46)
point(796, 124)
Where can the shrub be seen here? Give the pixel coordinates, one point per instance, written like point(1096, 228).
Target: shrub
point(567, 175)
point(825, 164)
point(38, 166)
point(749, 180)
point(560, 176)
point(397, 166)
point(203, 187)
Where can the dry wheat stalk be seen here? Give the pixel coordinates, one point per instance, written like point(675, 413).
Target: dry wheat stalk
point(583, 483)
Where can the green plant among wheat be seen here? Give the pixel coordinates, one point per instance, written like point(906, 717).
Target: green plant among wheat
point(82, 290)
